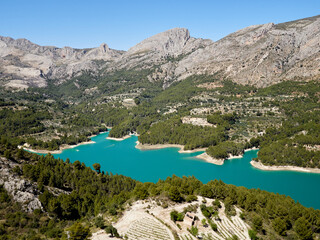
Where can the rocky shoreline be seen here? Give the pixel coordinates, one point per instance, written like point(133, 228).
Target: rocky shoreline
point(261, 166)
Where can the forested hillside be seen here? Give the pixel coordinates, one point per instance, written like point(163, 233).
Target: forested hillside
point(282, 120)
point(85, 194)
point(297, 141)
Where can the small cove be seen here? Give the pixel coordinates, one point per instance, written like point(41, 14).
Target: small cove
point(121, 157)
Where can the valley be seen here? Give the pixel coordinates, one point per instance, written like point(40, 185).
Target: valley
point(256, 88)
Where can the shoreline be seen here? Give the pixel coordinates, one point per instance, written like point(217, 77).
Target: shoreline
point(250, 149)
point(141, 146)
point(62, 147)
point(206, 157)
point(209, 159)
point(119, 139)
point(263, 167)
point(203, 156)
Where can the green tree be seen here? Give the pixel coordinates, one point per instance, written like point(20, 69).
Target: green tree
point(17, 170)
point(216, 203)
point(112, 230)
point(20, 153)
point(194, 230)
point(252, 234)
point(79, 232)
point(141, 191)
point(206, 211)
point(99, 222)
point(174, 194)
point(175, 216)
point(2, 230)
point(257, 223)
point(97, 167)
point(213, 225)
point(77, 164)
point(7, 154)
point(280, 226)
point(191, 198)
point(204, 222)
point(303, 228)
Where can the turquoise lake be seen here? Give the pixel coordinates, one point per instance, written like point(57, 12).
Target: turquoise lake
point(121, 157)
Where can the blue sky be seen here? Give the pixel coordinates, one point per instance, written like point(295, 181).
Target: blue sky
point(122, 24)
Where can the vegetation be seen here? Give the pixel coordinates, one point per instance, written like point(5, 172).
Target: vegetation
point(16, 223)
point(112, 230)
point(47, 119)
point(224, 149)
point(175, 216)
point(88, 194)
point(193, 230)
point(295, 142)
point(90, 191)
point(173, 131)
point(283, 120)
point(79, 232)
point(206, 211)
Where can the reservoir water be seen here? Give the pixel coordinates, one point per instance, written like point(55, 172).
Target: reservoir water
point(121, 157)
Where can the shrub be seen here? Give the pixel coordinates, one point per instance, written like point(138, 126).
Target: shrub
point(175, 216)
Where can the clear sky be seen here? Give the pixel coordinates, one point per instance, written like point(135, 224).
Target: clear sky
point(122, 24)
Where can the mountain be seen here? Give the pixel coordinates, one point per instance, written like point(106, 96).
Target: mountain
point(25, 64)
point(162, 50)
point(259, 55)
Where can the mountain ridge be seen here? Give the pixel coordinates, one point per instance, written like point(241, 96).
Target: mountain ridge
point(258, 55)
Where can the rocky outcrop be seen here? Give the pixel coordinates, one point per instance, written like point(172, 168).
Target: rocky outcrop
point(168, 43)
point(258, 55)
point(22, 191)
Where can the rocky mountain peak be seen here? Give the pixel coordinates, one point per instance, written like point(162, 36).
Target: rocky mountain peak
point(104, 48)
point(170, 42)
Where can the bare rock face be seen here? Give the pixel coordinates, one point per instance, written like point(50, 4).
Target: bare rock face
point(166, 43)
point(261, 55)
point(24, 64)
point(165, 50)
point(258, 55)
point(22, 191)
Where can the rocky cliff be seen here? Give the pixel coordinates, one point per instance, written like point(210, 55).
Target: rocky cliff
point(261, 55)
point(258, 55)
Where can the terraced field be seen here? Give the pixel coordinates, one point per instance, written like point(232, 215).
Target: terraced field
point(228, 227)
point(147, 220)
point(148, 228)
